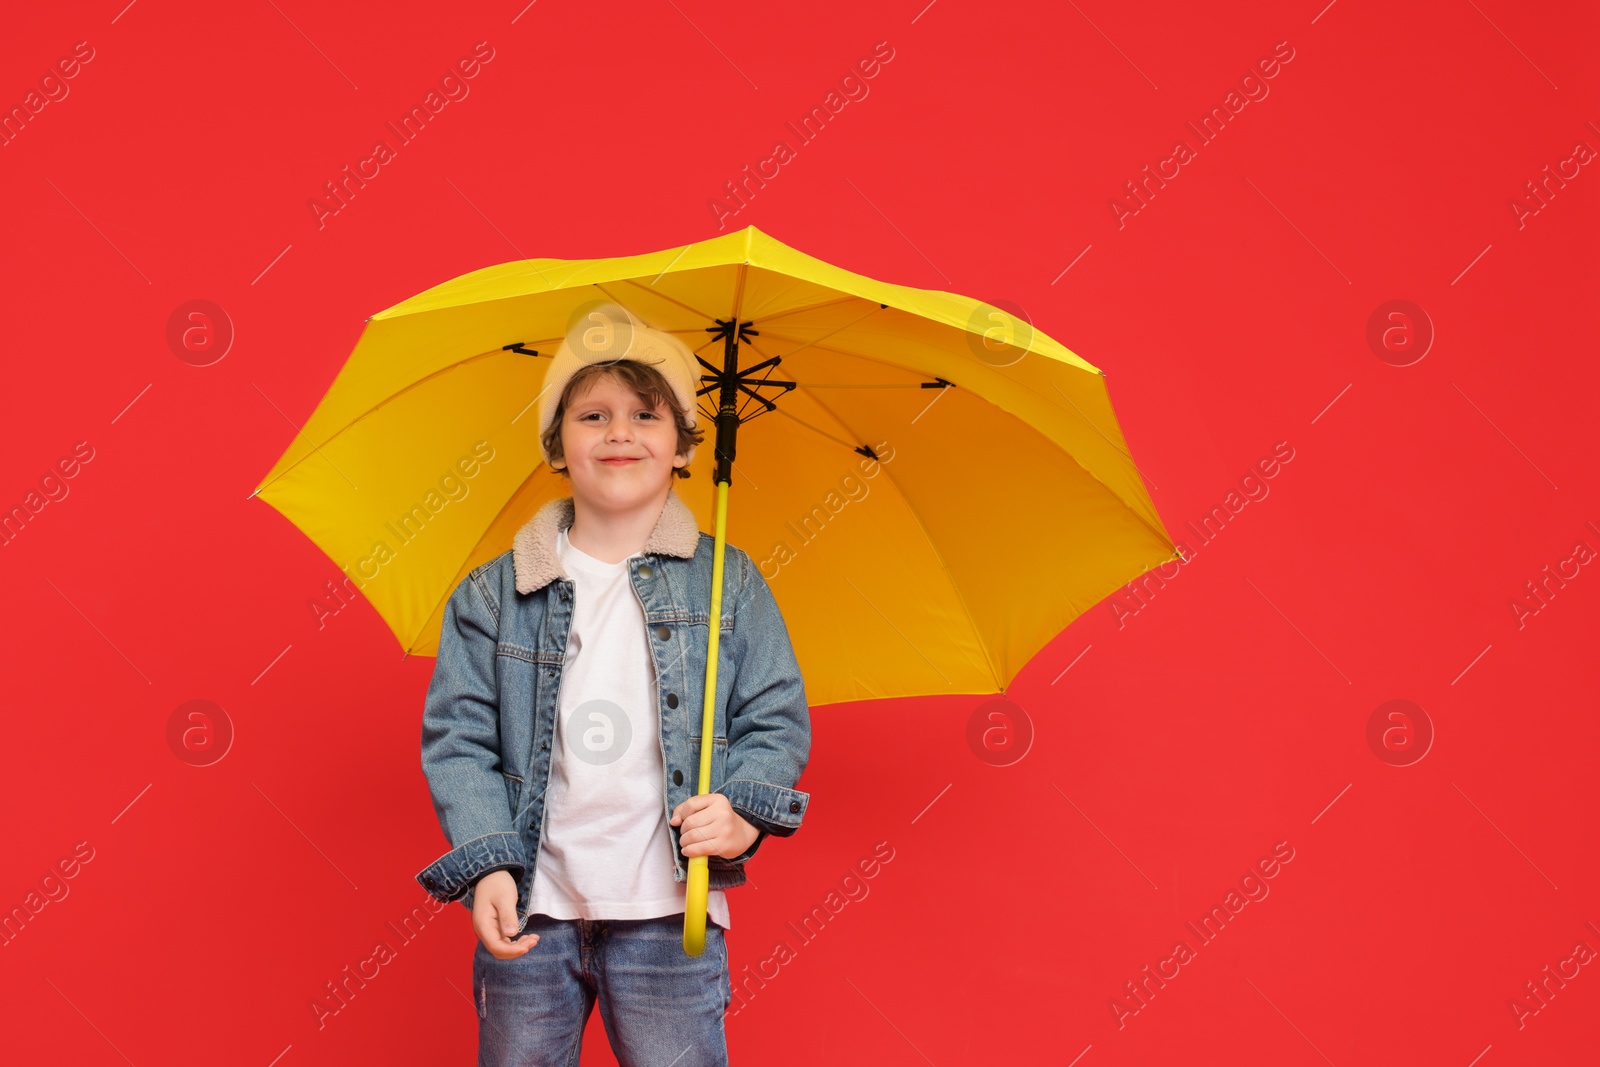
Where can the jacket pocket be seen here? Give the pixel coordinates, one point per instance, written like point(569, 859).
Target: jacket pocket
point(719, 762)
point(513, 791)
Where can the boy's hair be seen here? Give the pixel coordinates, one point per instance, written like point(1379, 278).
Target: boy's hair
point(647, 384)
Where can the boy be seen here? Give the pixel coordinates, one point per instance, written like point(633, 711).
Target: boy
point(561, 730)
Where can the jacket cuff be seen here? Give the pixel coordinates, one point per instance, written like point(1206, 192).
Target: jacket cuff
point(761, 835)
point(769, 808)
point(451, 875)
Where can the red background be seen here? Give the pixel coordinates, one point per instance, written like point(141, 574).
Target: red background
point(1227, 715)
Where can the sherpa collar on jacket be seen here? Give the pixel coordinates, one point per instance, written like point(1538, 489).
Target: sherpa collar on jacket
point(533, 549)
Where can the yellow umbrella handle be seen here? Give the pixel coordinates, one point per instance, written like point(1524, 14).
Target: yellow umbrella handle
point(694, 913)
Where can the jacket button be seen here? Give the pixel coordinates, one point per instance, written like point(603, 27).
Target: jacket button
point(794, 807)
point(645, 571)
point(672, 700)
point(663, 632)
point(677, 777)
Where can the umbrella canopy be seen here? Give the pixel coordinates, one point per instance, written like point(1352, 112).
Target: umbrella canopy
point(933, 489)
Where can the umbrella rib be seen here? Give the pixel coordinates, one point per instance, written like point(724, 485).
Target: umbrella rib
point(830, 333)
point(847, 298)
point(751, 388)
point(848, 355)
point(709, 341)
point(780, 409)
point(933, 547)
point(1042, 398)
point(794, 283)
point(854, 448)
point(703, 316)
point(389, 399)
point(738, 292)
point(1119, 449)
point(856, 355)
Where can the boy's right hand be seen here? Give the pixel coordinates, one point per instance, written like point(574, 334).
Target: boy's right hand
point(494, 916)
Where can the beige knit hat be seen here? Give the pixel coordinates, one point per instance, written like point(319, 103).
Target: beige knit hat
point(609, 332)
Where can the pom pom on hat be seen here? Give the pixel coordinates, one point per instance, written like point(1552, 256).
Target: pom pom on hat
point(609, 332)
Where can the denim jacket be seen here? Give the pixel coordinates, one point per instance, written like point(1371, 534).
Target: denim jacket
point(488, 722)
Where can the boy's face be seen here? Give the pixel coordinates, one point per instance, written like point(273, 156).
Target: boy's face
point(619, 451)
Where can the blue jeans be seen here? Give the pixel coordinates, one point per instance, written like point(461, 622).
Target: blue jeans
point(660, 1006)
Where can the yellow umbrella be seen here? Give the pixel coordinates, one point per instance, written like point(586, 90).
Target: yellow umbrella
point(935, 491)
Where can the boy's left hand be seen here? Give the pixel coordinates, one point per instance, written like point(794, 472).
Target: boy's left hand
point(711, 827)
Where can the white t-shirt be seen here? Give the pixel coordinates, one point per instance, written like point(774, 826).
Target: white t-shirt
point(606, 851)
